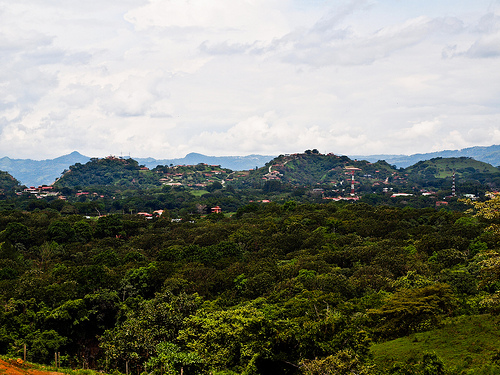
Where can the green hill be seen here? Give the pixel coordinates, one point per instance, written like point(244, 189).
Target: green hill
point(323, 171)
point(110, 171)
point(120, 173)
point(439, 171)
point(461, 343)
point(489, 154)
point(7, 183)
point(334, 174)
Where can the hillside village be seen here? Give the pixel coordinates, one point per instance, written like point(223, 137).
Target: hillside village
point(113, 182)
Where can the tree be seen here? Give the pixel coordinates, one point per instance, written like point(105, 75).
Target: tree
point(170, 360)
point(61, 231)
point(229, 339)
point(490, 263)
point(412, 310)
point(108, 226)
point(143, 280)
point(489, 210)
point(342, 363)
point(214, 186)
point(43, 344)
point(17, 233)
point(290, 206)
point(83, 231)
point(146, 326)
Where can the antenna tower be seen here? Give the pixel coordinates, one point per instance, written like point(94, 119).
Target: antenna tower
point(453, 193)
point(352, 183)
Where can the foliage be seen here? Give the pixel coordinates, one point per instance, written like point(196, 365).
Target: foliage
point(413, 310)
point(489, 209)
point(170, 360)
point(275, 288)
point(7, 184)
point(233, 338)
point(147, 325)
point(343, 362)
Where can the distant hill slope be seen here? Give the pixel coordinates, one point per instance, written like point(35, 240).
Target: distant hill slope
point(7, 183)
point(435, 172)
point(236, 163)
point(490, 155)
point(40, 172)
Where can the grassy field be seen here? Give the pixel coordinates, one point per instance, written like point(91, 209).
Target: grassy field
point(198, 193)
point(463, 343)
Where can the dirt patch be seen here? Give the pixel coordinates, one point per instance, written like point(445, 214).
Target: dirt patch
point(18, 367)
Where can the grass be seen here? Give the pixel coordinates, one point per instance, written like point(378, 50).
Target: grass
point(198, 193)
point(464, 342)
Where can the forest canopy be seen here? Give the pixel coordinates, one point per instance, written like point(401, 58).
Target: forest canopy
point(292, 288)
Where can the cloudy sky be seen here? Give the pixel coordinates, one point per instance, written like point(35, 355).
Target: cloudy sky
point(162, 78)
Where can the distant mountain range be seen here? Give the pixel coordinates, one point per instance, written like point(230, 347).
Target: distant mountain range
point(236, 163)
point(489, 154)
point(44, 172)
point(40, 172)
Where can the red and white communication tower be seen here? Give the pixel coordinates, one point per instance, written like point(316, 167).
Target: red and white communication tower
point(352, 170)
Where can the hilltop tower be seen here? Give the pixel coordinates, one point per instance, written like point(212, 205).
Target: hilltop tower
point(453, 193)
point(352, 183)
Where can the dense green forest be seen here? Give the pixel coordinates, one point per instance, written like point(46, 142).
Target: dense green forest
point(288, 279)
point(275, 289)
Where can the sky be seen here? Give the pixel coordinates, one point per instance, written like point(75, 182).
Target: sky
point(163, 78)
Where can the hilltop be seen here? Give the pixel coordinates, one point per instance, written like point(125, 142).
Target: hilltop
point(313, 168)
point(309, 169)
point(110, 171)
point(438, 171)
point(120, 173)
point(489, 154)
point(337, 173)
point(45, 172)
point(8, 184)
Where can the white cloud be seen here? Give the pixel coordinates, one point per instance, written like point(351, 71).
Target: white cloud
point(246, 19)
point(486, 47)
point(425, 129)
point(163, 78)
